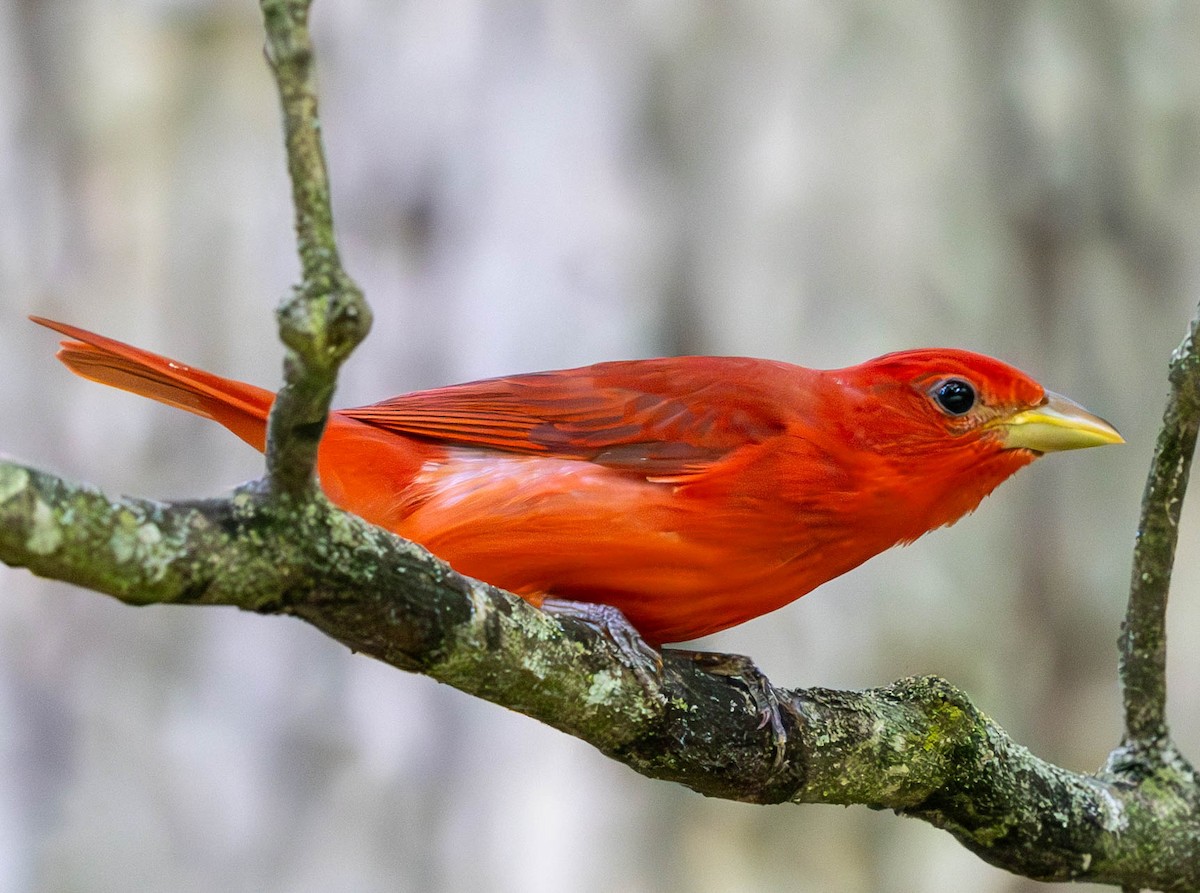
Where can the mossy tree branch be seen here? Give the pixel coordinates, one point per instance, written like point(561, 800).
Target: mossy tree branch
point(917, 746)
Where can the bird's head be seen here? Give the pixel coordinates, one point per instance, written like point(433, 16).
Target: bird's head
point(945, 427)
point(955, 396)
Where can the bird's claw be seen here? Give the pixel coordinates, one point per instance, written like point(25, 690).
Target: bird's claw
point(635, 652)
point(758, 687)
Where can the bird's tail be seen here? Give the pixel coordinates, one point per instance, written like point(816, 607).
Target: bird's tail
point(240, 407)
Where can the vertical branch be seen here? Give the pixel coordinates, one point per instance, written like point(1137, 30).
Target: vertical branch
point(1143, 634)
point(326, 316)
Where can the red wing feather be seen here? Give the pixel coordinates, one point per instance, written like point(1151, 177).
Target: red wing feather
point(662, 417)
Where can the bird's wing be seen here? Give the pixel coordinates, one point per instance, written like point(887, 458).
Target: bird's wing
point(666, 419)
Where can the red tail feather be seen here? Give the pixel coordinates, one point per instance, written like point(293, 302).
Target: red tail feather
point(240, 407)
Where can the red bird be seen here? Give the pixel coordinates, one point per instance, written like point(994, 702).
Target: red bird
point(692, 493)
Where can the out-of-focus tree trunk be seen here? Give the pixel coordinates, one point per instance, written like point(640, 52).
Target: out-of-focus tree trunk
point(556, 187)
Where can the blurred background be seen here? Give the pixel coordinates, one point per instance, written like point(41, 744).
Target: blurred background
point(530, 185)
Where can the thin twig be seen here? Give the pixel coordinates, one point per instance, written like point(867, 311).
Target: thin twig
point(326, 316)
point(1143, 634)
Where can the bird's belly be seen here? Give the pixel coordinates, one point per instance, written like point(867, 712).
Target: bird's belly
point(677, 567)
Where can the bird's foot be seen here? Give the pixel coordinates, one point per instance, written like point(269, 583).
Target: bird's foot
point(635, 652)
point(758, 687)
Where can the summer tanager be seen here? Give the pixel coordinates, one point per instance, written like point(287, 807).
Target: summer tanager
point(692, 493)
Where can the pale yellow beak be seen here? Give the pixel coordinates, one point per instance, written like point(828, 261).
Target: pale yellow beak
point(1058, 424)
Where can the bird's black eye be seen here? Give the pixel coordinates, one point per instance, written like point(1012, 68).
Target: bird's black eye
point(955, 396)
